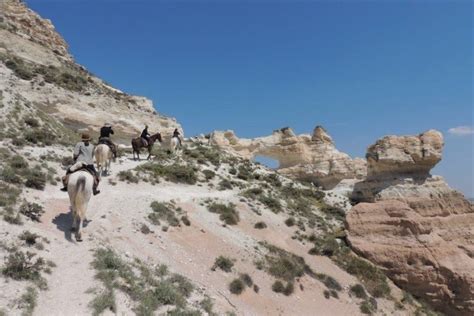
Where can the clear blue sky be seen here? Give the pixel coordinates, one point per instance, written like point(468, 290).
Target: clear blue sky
point(361, 69)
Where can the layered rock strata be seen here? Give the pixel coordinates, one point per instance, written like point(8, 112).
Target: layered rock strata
point(413, 225)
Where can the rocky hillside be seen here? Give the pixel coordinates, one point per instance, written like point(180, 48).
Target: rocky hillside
point(207, 231)
point(39, 78)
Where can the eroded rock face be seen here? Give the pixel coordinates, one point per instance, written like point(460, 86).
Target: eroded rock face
point(394, 156)
point(421, 248)
point(419, 230)
point(19, 19)
point(305, 157)
point(37, 72)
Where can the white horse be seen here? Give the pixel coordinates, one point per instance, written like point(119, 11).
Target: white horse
point(80, 191)
point(175, 144)
point(103, 158)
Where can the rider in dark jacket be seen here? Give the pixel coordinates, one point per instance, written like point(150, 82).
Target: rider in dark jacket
point(104, 137)
point(145, 135)
point(177, 135)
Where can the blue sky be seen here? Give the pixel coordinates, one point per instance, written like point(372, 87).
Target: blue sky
point(361, 69)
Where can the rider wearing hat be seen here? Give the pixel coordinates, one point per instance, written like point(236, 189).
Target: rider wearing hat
point(83, 159)
point(104, 138)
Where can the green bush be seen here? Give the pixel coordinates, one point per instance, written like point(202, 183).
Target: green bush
point(227, 213)
point(35, 179)
point(40, 136)
point(278, 286)
point(208, 174)
point(329, 282)
point(28, 237)
point(28, 301)
point(260, 225)
point(10, 175)
point(246, 279)
point(32, 122)
point(128, 176)
point(368, 306)
point(236, 286)
point(174, 173)
point(290, 221)
point(32, 211)
point(163, 211)
point(358, 291)
point(20, 69)
point(252, 193)
point(18, 162)
point(272, 179)
point(373, 279)
point(225, 184)
point(21, 266)
point(223, 263)
point(8, 194)
point(272, 203)
point(326, 246)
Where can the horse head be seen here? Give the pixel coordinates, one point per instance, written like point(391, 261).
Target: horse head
point(154, 137)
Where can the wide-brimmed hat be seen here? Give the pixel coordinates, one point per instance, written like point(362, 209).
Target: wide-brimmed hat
point(85, 137)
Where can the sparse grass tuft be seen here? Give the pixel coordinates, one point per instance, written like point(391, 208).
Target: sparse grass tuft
point(260, 225)
point(35, 179)
point(29, 238)
point(173, 173)
point(225, 184)
point(105, 300)
point(147, 288)
point(128, 176)
point(28, 301)
point(373, 279)
point(163, 211)
point(32, 211)
point(272, 203)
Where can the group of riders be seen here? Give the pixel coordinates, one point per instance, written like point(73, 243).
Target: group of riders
point(84, 153)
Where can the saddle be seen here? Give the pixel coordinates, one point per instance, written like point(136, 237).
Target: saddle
point(144, 142)
point(80, 166)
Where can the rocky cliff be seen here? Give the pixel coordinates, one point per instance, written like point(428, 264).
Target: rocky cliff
point(305, 157)
point(38, 75)
point(413, 224)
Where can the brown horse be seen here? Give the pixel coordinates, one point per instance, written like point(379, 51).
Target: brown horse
point(137, 145)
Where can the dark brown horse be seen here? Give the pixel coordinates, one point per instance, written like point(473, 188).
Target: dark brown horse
point(137, 144)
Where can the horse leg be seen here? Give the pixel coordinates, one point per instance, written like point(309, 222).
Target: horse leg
point(78, 229)
point(74, 219)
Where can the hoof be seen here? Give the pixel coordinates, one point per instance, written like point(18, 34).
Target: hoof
point(78, 239)
point(72, 229)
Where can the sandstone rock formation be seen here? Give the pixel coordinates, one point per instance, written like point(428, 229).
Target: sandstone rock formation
point(36, 71)
point(305, 157)
point(416, 227)
point(404, 155)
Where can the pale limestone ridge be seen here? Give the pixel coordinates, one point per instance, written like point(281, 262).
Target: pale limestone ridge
point(305, 157)
point(36, 68)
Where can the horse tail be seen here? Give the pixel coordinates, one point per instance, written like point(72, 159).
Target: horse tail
point(80, 197)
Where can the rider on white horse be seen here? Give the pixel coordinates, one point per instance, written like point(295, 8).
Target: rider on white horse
point(83, 158)
point(176, 134)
